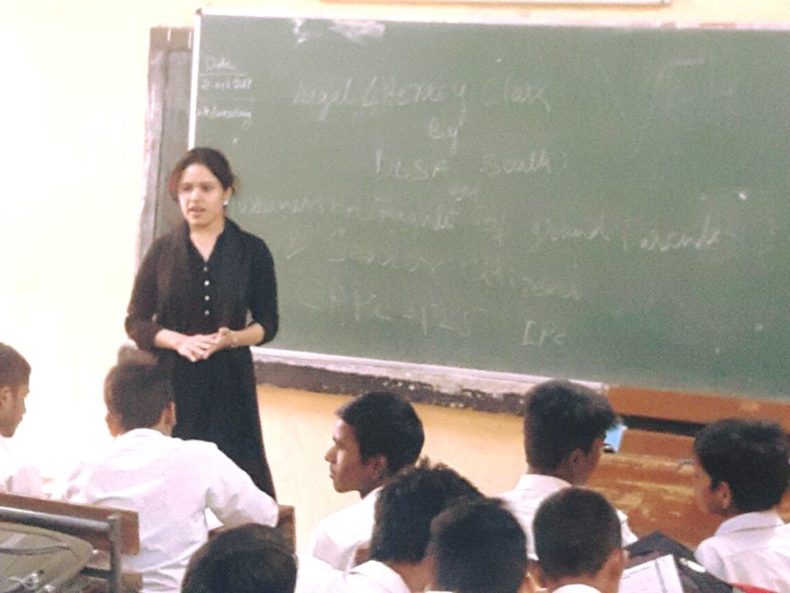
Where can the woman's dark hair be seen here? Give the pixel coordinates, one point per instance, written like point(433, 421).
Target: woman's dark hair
point(210, 158)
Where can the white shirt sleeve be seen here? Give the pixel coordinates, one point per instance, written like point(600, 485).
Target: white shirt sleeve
point(233, 497)
point(26, 481)
point(17, 474)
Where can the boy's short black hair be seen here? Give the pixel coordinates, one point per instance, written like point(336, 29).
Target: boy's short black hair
point(752, 456)
point(407, 505)
point(251, 558)
point(14, 369)
point(137, 393)
point(576, 531)
point(561, 417)
point(478, 547)
point(385, 424)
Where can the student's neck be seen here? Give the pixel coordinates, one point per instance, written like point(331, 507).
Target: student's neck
point(595, 583)
point(363, 492)
point(558, 473)
point(416, 576)
point(164, 427)
point(159, 427)
point(731, 512)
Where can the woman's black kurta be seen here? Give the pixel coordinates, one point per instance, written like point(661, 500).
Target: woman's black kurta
point(176, 289)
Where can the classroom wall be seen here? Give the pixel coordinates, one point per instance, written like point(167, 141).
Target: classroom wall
point(73, 113)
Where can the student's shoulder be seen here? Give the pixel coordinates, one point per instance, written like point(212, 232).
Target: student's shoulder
point(710, 552)
point(337, 536)
point(21, 477)
point(194, 448)
point(346, 517)
point(201, 457)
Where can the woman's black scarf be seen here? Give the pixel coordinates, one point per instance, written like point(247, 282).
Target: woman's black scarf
point(176, 277)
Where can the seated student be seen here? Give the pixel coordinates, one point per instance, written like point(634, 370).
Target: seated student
point(477, 546)
point(251, 558)
point(398, 548)
point(741, 472)
point(171, 483)
point(564, 427)
point(17, 474)
point(376, 435)
point(579, 543)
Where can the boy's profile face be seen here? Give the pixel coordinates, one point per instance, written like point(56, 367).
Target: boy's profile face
point(349, 472)
point(12, 408)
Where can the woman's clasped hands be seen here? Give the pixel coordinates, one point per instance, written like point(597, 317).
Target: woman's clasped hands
point(203, 346)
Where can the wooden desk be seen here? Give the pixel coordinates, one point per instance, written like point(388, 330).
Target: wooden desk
point(112, 532)
point(286, 522)
point(657, 495)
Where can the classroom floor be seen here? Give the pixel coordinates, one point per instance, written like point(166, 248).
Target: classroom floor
point(297, 429)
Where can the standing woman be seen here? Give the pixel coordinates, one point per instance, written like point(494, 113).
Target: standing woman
point(203, 294)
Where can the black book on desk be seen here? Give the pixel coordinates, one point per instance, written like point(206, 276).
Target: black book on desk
point(693, 576)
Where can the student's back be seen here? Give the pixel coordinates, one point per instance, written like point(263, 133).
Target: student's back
point(169, 482)
point(564, 427)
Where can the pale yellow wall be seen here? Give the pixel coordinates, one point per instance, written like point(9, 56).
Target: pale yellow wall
point(72, 114)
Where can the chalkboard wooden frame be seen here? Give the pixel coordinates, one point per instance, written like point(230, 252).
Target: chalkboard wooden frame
point(167, 125)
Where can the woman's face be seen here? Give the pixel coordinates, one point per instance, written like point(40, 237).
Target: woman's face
point(202, 198)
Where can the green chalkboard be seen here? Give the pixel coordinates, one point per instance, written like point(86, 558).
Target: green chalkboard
point(609, 204)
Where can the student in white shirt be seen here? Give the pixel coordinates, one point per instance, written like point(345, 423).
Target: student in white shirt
point(477, 546)
point(578, 541)
point(398, 561)
point(741, 472)
point(376, 435)
point(564, 428)
point(250, 558)
point(17, 474)
point(171, 483)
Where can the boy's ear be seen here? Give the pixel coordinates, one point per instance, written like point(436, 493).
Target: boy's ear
point(113, 424)
point(615, 564)
point(723, 496)
point(575, 456)
point(169, 414)
point(377, 466)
